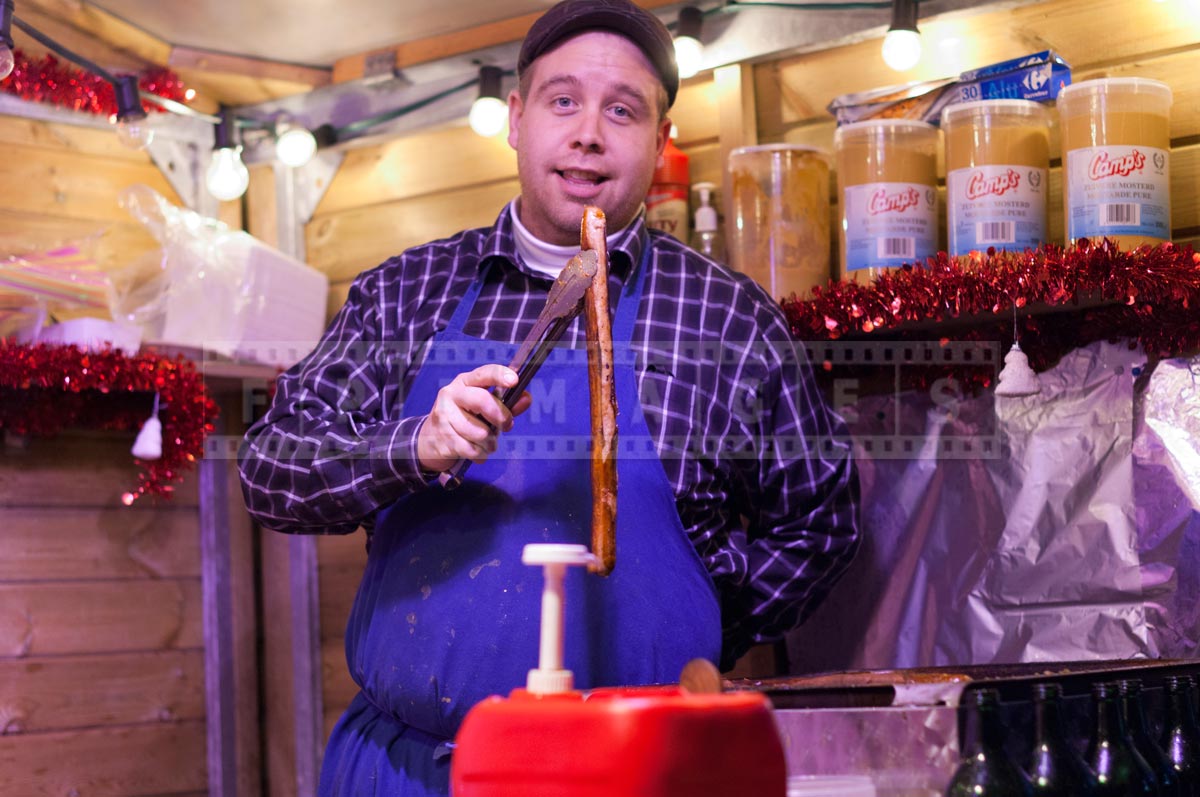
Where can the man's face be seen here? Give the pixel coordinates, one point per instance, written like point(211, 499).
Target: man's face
point(588, 133)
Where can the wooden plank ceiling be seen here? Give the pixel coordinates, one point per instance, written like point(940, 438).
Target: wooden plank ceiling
point(237, 55)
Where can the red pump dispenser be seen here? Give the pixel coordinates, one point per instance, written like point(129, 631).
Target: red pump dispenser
point(667, 199)
point(632, 742)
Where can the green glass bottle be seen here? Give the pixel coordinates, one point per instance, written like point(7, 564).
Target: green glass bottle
point(986, 770)
point(1120, 769)
point(1134, 707)
point(1056, 768)
point(1181, 733)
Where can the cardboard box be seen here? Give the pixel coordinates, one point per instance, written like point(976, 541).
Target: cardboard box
point(1038, 77)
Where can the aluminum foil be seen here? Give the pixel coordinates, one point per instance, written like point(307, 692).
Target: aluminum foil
point(1063, 526)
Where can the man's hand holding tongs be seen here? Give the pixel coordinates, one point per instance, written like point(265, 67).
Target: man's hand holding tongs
point(469, 412)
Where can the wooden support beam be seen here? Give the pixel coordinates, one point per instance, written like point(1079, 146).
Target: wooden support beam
point(449, 44)
point(105, 27)
point(737, 118)
point(210, 61)
point(78, 40)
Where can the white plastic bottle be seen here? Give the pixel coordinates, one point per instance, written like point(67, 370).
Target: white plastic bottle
point(706, 230)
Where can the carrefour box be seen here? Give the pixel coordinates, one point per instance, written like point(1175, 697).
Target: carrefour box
point(1038, 77)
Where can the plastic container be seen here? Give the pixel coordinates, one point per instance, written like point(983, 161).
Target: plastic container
point(650, 742)
point(778, 228)
point(667, 200)
point(1116, 160)
point(887, 190)
point(830, 786)
point(997, 174)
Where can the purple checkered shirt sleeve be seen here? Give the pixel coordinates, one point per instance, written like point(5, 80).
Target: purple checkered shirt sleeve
point(760, 467)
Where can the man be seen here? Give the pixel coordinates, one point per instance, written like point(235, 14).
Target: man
point(736, 504)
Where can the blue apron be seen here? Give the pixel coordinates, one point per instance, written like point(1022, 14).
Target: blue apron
point(447, 615)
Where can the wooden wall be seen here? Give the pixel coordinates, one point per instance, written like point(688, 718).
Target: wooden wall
point(102, 653)
point(101, 641)
point(405, 192)
point(101, 647)
point(59, 186)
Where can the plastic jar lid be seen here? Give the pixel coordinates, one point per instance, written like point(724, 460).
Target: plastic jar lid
point(880, 125)
point(894, 131)
point(1126, 86)
point(1006, 108)
point(779, 148)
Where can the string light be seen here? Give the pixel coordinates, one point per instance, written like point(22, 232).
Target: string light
point(133, 126)
point(689, 52)
point(294, 145)
point(7, 61)
point(489, 112)
point(227, 177)
point(902, 44)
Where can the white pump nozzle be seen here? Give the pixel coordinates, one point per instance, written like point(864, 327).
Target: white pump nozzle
point(550, 677)
point(706, 214)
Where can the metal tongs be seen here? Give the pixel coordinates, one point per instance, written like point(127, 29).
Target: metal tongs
point(564, 302)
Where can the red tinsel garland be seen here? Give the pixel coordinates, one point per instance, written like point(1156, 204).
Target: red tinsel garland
point(45, 389)
point(55, 82)
point(1149, 296)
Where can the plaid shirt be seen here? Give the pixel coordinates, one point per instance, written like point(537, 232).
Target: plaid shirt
point(762, 477)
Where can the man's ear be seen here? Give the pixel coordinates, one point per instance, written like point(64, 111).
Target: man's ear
point(664, 135)
point(515, 108)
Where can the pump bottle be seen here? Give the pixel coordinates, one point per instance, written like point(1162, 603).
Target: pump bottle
point(706, 234)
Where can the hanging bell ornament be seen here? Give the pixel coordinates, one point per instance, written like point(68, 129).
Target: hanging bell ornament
point(1016, 377)
point(148, 445)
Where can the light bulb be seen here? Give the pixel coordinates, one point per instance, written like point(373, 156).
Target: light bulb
point(7, 61)
point(488, 116)
point(295, 145)
point(901, 49)
point(227, 176)
point(135, 133)
point(689, 55)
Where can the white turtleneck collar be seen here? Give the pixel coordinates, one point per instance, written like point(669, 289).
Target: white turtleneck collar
point(540, 256)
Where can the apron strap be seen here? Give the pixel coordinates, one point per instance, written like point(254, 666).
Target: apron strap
point(467, 303)
point(631, 299)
